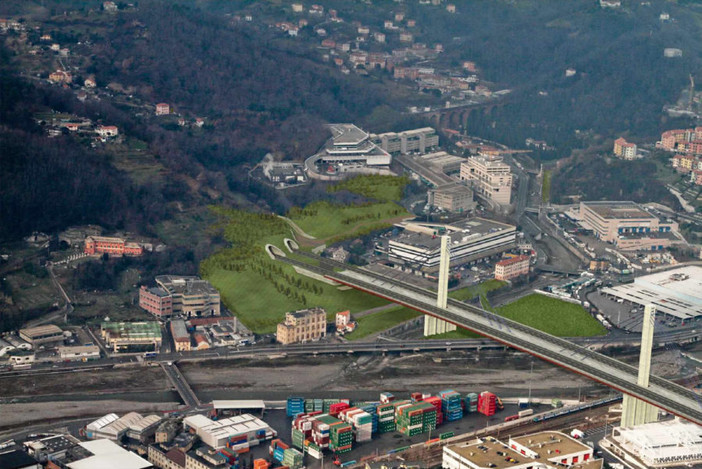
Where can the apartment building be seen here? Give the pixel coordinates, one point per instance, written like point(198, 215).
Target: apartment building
point(512, 267)
point(682, 140)
point(490, 177)
point(163, 109)
point(624, 149)
point(409, 141)
point(190, 295)
point(303, 325)
point(111, 246)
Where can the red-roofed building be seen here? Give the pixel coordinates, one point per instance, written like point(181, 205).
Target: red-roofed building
point(512, 267)
point(163, 109)
point(201, 342)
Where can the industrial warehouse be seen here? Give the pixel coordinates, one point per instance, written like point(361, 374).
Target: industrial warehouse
point(676, 293)
point(417, 246)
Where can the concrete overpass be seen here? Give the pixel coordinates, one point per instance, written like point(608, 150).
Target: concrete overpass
point(606, 370)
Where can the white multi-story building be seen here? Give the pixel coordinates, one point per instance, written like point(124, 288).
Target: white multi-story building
point(418, 247)
point(490, 177)
point(409, 141)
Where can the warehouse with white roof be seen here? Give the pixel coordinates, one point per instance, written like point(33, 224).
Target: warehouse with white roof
point(245, 430)
point(676, 292)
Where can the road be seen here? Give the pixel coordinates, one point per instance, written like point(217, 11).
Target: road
point(608, 371)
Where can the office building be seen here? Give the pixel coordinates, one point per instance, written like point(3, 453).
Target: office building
point(536, 451)
point(676, 293)
point(490, 178)
point(156, 300)
point(181, 336)
point(512, 267)
point(303, 325)
point(245, 428)
point(349, 145)
point(660, 444)
point(42, 334)
point(624, 149)
point(111, 246)
point(627, 225)
point(190, 296)
point(409, 141)
point(453, 197)
point(132, 336)
point(417, 247)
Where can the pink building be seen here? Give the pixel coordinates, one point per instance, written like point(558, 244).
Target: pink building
point(162, 109)
point(512, 267)
point(156, 301)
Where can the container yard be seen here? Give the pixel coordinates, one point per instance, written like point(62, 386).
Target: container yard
point(344, 429)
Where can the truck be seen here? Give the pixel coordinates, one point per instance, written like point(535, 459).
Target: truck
point(577, 434)
point(525, 413)
point(556, 403)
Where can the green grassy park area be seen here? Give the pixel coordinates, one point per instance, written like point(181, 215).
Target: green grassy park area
point(374, 186)
point(551, 315)
point(259, 290)
point(380, 321)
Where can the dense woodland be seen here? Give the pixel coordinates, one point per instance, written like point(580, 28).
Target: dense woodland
point(260, 92)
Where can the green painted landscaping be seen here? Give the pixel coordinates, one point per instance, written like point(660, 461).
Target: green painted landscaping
point(551, 315)
point(557, 317)
point(380, 321)
point(259, 290)
point(325, 219)
point(374, 186)
point(546, 186)
point(473, 291)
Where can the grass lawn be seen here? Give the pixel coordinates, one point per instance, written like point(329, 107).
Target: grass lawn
point(259, 290)
point(374, 186)
point(557, 317)
point(381, 321)
point(551, 315)
point(324, 220)
point(546, 187)
point(473, 291)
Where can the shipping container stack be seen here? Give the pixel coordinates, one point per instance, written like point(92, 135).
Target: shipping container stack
point(451, 405)
point(260, 464)
point(313, 449)
point(472, 403)
point(361, 421)
point(298, 438)
point(340, 437)
point(487, 403)
point(386, 418)
point(231, 456)
point(386, 397)
point(334, 409)
point(277, 450)
point(292, 458)
point(320, 430)
point(239, 443)
point(314, 405)
point(372, 408)
point(416, 396)
point(414, 419)
point(296, 405)
point(436, 402)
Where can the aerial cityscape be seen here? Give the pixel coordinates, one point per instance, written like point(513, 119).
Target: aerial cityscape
point(265, 234)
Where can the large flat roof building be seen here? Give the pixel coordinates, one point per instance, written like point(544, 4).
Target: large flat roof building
point(105, 454)
point(472, 239)
point(42, 334)
point(627, 225)
point(217, 433)
point(660, 444)
point(132, 336)
point(676, 292)
point(190, 295)
point(409, 141)
point(536, 451)
point(454, 197)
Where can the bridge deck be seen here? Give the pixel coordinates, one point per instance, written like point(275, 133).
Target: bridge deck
point(606, 370)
